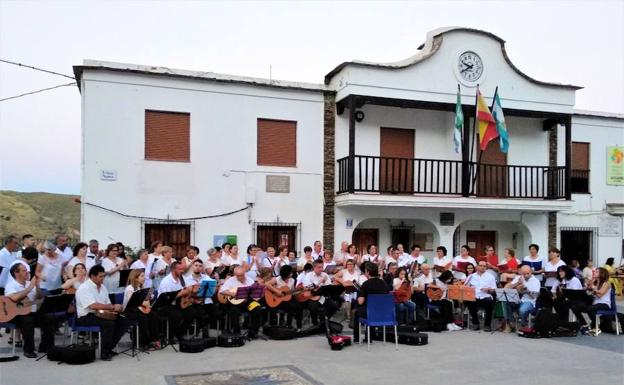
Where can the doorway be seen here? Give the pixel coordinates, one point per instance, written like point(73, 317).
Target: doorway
point(477, 240)
point(396, 166)
point(276, 236)
point(492, 178)
point(576, 244)
point(362, 238)
point(176, 236)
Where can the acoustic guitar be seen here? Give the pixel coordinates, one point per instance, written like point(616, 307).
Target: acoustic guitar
point(273, 301)
point(10, 309)
point(307, 294)
point(225, 298)
point(187, 300)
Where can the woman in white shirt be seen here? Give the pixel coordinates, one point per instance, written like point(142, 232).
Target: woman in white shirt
point(233, 258)
point(51, 267)
point(533, 257)
point(112, 264)
point(601, 289)
point(148, 323)
point(162, 266)
point(80, 256)
point(79, 274)
point(463, 259)
point(441, 262)
point(551, 266)
point(191, 255)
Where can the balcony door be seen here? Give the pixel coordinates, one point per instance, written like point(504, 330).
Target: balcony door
point(396, 167)
point(492, 179)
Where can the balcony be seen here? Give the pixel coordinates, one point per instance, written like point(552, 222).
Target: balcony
point(385, 175)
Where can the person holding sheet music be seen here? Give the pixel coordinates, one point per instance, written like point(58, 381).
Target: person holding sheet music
point(372, 256)
point(328, 261)
point(441, 261)
point(534, 261)
point(484, 285)
point(566, 279)
point(461, 261)
point(229, 288)
point(390, 257)
point(509, 268)
point(527, 285)
point(112, 264)
point(149, 324)
point(91, 298)
point(402, 288)
point(305, 258)
point(551, 266)
point(179, 319)
point(143, 262)
point(234, 258)
point(204, 307)
point(318, 278)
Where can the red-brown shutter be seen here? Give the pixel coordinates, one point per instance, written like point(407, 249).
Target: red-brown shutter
point(277, 143)
point(580, 156)
point(167, 136)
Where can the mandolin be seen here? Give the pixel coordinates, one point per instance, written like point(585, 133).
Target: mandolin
point(146, 309)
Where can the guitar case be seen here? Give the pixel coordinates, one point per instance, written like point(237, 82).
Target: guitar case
point(279, 332)
point(72, 354)
point(311, 331)
point(336, 342)
point(230, 340)
point(413, 338)
point(192, 345)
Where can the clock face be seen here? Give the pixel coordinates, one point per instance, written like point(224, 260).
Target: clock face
point(470, 66)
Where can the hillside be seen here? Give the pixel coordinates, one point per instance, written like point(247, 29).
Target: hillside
point(40, 214)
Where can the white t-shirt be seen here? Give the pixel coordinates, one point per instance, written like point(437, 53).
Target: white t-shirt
point(532, 286)
point(89, 263)
point(605, 299)
point(230, 260)
point(88, 294)
point(51, 272)
point(169, 284)
point(233, 283)
point(318, 280)
point(301, 278)
point(316, 255)
point(138, 264)
point(573, 284)
point(190, 280)
point(15, 287)
point(302, 262)
point(370, 258)
point(481, 281)
point(112, 281)
point(550, 267)
point(279, 282)
point(6, 258)
point(127, 295)
point(442, 262)
point(459, 274)
point(275, 263)
point(423, 280)
point(66, 255)
point(340, 257)
point(211, 265)
point(388, 260)
point(406, 260)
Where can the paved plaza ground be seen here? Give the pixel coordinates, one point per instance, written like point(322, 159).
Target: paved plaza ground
point(464, 357)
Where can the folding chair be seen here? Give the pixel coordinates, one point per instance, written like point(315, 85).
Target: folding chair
point(610, 312)
point(380, 311)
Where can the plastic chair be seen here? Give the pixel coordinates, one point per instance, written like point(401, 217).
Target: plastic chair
point(380, 311)
point(610, 312)
point(8, 325)
point(75, 328)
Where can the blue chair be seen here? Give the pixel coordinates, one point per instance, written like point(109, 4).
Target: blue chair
point(75, 328)
point(380, 311)
point(8, 325)
point(610, 312)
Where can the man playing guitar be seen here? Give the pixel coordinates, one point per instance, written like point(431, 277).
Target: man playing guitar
point(205, 308)
point(324, 306)
point(92, 302)
point(234, 311)
point(284, 286)
point(179, 319)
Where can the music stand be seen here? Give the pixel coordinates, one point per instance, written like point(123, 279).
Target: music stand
point(577, 296)
point(508, 295)
point(136, 300)
point(166, 299)
point(331, 291)
point(56, 306)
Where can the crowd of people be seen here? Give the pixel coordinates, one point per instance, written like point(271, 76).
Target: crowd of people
point(105, 281)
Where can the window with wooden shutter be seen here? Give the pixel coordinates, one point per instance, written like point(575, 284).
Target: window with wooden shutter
point(277, 143)
point(580, 167)
point(167, 136)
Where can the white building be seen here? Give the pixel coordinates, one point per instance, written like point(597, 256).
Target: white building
point(366, 157)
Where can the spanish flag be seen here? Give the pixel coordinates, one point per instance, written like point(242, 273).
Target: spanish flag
point(487, 124)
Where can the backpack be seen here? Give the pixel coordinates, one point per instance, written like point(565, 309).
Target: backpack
point(546, 322)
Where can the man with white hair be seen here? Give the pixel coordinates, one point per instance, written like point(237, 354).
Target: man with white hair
point(529, 286)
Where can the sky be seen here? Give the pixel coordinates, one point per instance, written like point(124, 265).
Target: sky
point(572, 42)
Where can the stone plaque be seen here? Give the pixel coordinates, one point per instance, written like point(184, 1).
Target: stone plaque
point(278, 183)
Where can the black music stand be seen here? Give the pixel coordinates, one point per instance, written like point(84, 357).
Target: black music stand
point(134, 302)
point(56, 306)
point(166, 299)
point(577, 296)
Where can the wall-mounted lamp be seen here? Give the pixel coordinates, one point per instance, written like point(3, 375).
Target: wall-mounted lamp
point(359, 116)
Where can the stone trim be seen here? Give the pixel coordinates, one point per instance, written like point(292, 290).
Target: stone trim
point(329, 168)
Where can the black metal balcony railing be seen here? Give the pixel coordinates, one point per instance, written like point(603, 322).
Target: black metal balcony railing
point(377, 174)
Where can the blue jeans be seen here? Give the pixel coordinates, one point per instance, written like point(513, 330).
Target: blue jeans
point(524, 309)
point(408, 307)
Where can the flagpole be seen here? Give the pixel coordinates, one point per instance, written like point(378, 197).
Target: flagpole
point(481, 153)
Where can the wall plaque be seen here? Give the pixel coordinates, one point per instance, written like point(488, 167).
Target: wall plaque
point(278, 183)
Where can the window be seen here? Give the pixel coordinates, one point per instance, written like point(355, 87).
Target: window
point(277, 143)
point(580, 167)
point(167, 136)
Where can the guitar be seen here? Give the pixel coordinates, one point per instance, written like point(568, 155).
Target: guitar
point(225, 298)
point(187, 299)
point(106, 314)
point(146, 309)
point(10, 309)
point(274, 301)
point(307, 294)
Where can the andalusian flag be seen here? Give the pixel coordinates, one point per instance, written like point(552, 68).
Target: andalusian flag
point(459, 122)
point(487, 124)
point(497, 111)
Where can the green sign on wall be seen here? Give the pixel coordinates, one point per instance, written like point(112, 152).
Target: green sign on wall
point(615, 165)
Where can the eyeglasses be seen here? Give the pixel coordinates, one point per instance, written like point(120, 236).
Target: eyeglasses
point(115, 250)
